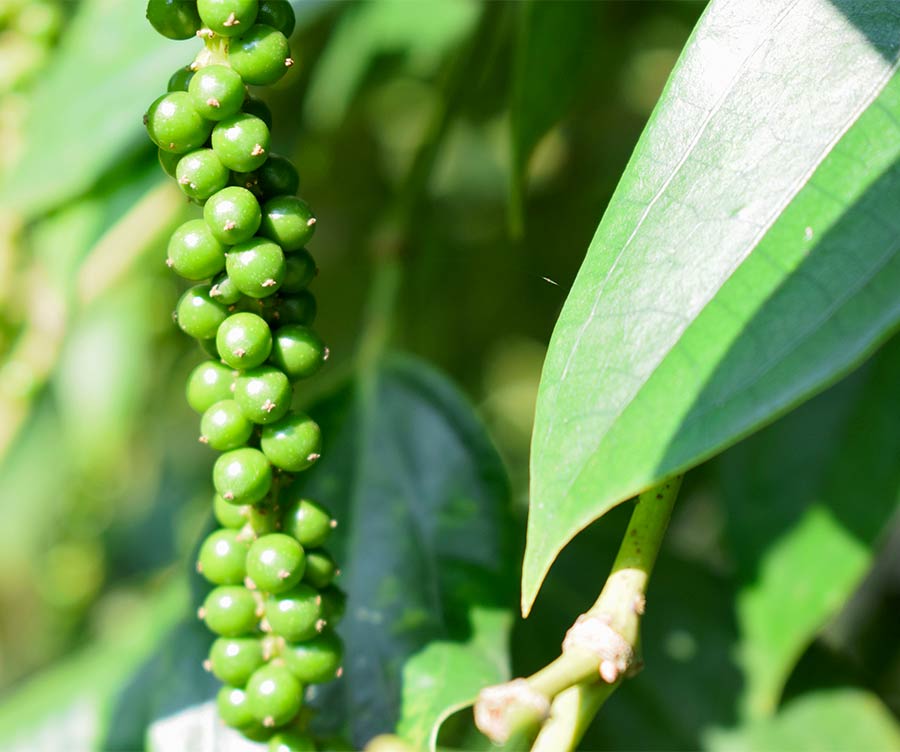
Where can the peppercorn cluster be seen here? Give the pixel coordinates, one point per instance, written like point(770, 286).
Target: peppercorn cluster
point(274, 604)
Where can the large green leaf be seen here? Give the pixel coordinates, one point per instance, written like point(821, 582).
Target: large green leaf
point(420, 494)
point(747, 259)
point(824, 479)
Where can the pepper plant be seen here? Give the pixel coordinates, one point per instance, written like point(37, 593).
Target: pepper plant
point(603, 451)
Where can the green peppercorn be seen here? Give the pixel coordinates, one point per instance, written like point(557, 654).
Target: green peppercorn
point(180, 79)
point(278, 14)
point(292, 443)
point(224, 426)
point(298, 351)
point(276, 177)
point(175, 125)
point(334, 604)
point(296, 614)
point(241, 142)
point(168, 161)
point(175, 19)
point(242, 476)
point(230, 611)
point(200, 174)
point(217, 92)
point(228, 18)
point(261, 56)
point(292, 741)
point(256, 267)
point(275, 562)
point(233, 659)
point(208, 383)
point(224, 291)
point(194, 252)
point(198, 314)
point(222, 558)
point(294, 309)
point(258, 108)
point(300, 270)
point(310, 523)
point(233, 215)
point(288, 221)
point(274, 695)
point(321, 568)
point(263, 394)
point(244, 340)
point(234, 710)
point(316, 660)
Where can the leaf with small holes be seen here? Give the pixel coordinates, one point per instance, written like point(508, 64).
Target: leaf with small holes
point(747, 259)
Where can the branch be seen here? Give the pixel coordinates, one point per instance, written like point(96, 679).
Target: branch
point(602, 644)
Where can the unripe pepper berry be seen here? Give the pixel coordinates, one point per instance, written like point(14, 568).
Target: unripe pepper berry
point(300, 270)
point(288, 221)
point(217, 92)
point(257, 267)
point(228, 18)
point(261, 56)
point(233, 215)
point(174, 19)
point(222, 558)
point(208, 383)
point(292, 443)
point(241, 142)
point(296, 614)
point(263, 394)
point(232, 660)
point(244, 340)
point(234, 710)
point(274, 695)
point(275, 562)
point(321, 568)
point(276, 177)
point(230, 611)
point(200, 174)
point(292, 741)
point(194, 252)
point(175, 125)
point(242, 476)
point(278, 14)
point(309, 522)
point(198, 314)
point(298, 351)
point(316, 660)
point(180, 79)
point(224, 426)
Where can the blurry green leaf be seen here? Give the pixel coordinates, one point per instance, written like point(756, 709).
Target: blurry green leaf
point(420, 496)
point(826, 721)
point(747, 259)
point(69, 706)
point(88, 104)
point(421, 31)
point(808, 499)
point(553, 43)
point(447, 676)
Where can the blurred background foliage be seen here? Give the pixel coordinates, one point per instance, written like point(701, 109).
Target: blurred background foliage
point(459, 156)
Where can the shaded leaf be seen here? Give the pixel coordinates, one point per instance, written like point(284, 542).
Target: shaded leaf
point(807, 500)
point(825, 721)
point(747, 260)
point(423, 32)
point(420, 494)
point(76, 134)
point(552, 43)
point(447, 676)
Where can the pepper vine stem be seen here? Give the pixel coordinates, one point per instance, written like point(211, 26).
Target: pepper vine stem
point(599, 650)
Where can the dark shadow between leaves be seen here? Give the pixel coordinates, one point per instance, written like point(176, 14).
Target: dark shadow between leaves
point(869, 18)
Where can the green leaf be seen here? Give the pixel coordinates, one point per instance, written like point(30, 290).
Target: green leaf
point(553, 42)
point(447, 676)
point(69, 706)
point(793, 493)
point(88, 105)
point(423, 32)
point(747, 259)
point(421, 495)
point(824, 721)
